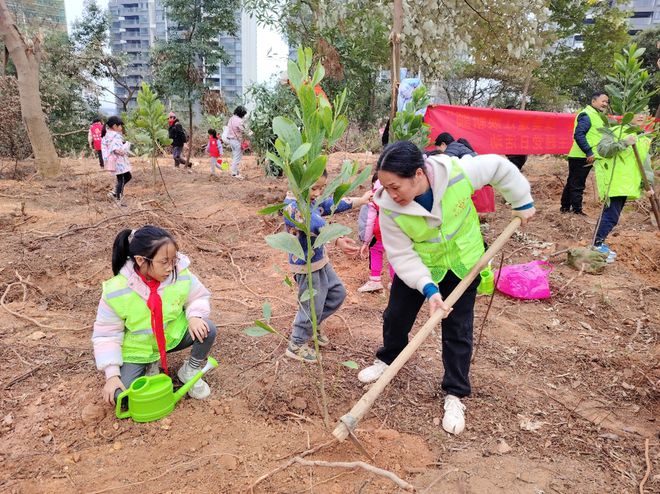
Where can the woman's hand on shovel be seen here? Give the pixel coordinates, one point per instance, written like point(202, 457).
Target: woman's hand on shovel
point(111, 385)
point(524, 214)
point(436, 303)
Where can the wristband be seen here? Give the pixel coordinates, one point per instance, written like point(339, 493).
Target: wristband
point(526, 206)
point(430, 289)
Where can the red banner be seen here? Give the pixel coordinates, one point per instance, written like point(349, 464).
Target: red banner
point(504, 131)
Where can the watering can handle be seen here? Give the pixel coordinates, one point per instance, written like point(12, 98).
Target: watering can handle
point(118, 412)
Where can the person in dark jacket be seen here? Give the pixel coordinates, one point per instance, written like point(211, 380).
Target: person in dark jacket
point(179, 138)
point(446, 144)
point(583, 153)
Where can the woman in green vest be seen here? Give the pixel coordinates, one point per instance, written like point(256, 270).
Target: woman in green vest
point(152, 306)
point(583, 153)
point(431, 233)
point(618, 176)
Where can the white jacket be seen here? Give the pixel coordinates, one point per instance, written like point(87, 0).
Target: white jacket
point(481, 170)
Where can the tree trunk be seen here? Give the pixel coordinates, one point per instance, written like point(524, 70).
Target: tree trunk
point(190, 132)
point(395, 41)
point(26, 60)
point(528, 82)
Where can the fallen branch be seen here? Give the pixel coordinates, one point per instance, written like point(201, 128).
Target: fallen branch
point(27, 318)
point(77, 229)
point(357, 464)
point(289, 463)
point(648, 466)
point(570, 281)
point(438, 479)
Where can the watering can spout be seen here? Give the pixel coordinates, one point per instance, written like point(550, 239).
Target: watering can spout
point(210, 364)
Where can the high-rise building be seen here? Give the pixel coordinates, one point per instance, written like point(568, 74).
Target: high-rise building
point(136, 25)
point(645, 14)
point(31, 14)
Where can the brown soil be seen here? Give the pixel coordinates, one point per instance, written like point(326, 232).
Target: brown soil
point(580, 369)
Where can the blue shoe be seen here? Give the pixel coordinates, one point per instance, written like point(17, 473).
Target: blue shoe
point(606, 251)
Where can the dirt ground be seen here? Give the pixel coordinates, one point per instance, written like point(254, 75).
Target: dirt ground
point(566, 390)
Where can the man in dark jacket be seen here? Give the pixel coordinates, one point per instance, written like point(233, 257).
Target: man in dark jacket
point(582, 155)
point(179, 138)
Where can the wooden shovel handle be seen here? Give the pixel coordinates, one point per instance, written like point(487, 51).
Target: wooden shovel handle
point(358, 411)
point(647, 186)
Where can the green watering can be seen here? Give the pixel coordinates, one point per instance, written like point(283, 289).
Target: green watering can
point(153, 398)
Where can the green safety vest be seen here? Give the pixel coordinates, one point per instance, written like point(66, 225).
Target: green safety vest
point(593, 136)
point(140, 346)
point(625, 175)
point(457, 244)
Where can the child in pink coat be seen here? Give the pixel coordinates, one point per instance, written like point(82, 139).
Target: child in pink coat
point(373, 243)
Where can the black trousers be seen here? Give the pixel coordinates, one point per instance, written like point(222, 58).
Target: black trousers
point(122, 180)
point(571, 197)
point(99, 153)
point(399, 316)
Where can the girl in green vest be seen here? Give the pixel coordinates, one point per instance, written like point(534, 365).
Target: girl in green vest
point(619, 179)
point(152, 306)
point(431, 234)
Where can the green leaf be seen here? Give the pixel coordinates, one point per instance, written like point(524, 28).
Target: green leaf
point(305, 296)
point(350, 364)
point(267, 310)
point(287, 131)
point(301, 151)
point(627, 118)
point(330, 232)
point(319, 73)
point(287, 281)
point(273, 208)
point(266, 327)
point(295, 76)
point(314, 171)
point(339, 192)
point(286, 242)
point(255, 332)
point(300, 226)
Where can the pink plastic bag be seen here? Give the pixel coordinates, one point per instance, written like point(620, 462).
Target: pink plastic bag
point(525, 281)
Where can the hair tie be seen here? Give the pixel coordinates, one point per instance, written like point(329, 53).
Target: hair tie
point(130, 236)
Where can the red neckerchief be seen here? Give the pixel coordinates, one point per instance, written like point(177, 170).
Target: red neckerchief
point(155, 305)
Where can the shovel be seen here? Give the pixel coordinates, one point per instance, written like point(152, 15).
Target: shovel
point(348, 422)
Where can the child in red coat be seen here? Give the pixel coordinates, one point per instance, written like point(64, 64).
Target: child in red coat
point(214, 148)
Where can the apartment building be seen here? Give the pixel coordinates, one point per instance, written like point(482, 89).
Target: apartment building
point(136, 26)
point(30, 14)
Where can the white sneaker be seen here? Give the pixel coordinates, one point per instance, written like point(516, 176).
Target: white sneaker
point(454, 419)
point(200, 389)
point(373, 372)
point(238, 176)
point(371, 286)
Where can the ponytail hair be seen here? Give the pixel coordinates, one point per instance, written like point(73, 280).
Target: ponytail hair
point(143, 242)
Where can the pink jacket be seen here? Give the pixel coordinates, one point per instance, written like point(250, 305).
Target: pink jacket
point(236, 127)
point(372, 217)
point(108, 334)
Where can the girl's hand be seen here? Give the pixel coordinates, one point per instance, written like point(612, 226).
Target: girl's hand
point(366, 197)
point(630, 140)
point(364, 250)
point(524, 215)
point(649, 193)
point(112, 385)
point(436, 303)
point(198, 328)
point(348, 246)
